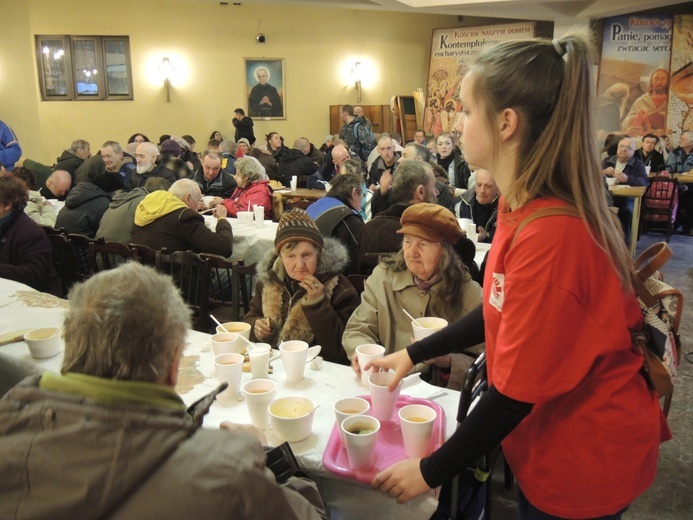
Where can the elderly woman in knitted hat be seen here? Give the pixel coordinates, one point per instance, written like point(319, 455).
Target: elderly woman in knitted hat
point(300, 294)
point(427, 278)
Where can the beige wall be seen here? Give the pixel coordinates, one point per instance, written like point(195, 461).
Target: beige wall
point(210, 41)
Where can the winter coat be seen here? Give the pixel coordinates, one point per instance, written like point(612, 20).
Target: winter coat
point(84, 206)
point(221, 186)
point(337, 220)
point(484, 215)
point(25, 254)
point(69, 162)
point(137, 180)
point(281, 299)
point(70, 456)
point(162, 220)
point(244, 129)
point(379, 318)
point(116, 223)
point(176, 166)
point(295, 162)
point(379, 237)
point(256, 193)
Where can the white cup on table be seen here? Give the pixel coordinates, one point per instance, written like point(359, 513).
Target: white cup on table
point(228, 368)
point(361, 436)
point(258, 394)
point(426, 326)
point(383, 401)
point(259, 360)
point(294, 355)
point(259, 212)
point(294, 182)
point(245, 217)
point(227, 342)
point(365, 354)
point(416, 422)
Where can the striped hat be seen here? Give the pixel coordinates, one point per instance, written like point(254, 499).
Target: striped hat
point(296, 226)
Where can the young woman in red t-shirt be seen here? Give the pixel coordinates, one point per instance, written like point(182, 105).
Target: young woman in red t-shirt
point(578, 424)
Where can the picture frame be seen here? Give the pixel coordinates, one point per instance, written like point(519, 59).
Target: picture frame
point(265, 88)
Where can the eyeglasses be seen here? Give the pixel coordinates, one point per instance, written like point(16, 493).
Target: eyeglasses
point(624, 147)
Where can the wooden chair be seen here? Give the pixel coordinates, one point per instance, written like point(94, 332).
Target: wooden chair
point(190, 273)
point(145, 255)
point(358, 281)
point(81, 250)
point(275, 182)
point(230, 287)
point(277, 206)
point(108, 255)
point(660, 204)
point(64, 260)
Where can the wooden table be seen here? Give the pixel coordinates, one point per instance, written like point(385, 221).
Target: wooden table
point(637, 192)
point(302, 193)
point(684, 178)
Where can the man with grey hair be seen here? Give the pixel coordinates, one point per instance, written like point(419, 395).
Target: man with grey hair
point(170, 219)
point(626, 169)
point(413, 183)
point(147, 167)
point(114, 408)
point(296, 161)
point(228, 150)
point(212, 180)
point(383, 198)
point(70, 160)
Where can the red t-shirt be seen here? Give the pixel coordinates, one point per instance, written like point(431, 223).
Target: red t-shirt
point(557, 335)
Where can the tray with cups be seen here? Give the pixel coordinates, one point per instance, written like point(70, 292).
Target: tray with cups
point(363, 462)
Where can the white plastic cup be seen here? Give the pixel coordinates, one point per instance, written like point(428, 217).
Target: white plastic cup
point(416, 421)
point(228, 368)
point(259, 216)
point(245, 217)
point(472, 233)
point(226, 343)
point(294, 182)
point(258, 394)
point(292, 417)
point(423, 327)
point(383, 401)
point(294, 355)
point(259, 360)
point(366, 353)
point(361, 446)
point(346, 408)
point(611, 181)
point(648, 169)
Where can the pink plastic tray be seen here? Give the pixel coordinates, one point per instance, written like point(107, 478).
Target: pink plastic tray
point(389, 448)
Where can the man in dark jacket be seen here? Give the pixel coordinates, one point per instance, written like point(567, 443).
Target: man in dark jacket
point(212, 180)
point(355, 132)
point(243, 125)
point(70, 160)
point(296, 161)
point(337, 214)
point(86, 203)
point(648, 155)
point(413, 183)
point(627, 169)
point(387, 161)
point(334, 161)
point(147, 166)
point(170, 220)
point(480, 204)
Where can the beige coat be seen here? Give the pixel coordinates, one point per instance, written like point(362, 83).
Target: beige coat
point(380, 318)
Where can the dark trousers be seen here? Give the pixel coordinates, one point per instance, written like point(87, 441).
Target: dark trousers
point(527, 511)
point(625, 214)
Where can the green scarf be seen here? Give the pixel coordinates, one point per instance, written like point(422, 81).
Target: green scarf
point(111, 391)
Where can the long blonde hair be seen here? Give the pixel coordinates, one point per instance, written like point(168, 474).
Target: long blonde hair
point(554, 94)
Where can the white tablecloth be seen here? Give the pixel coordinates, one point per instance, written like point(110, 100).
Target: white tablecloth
point(250, 242)
point(22, 307)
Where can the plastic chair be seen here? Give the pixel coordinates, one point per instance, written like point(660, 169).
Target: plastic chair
point(358, 281)
point(190, 273)
point(660, 204)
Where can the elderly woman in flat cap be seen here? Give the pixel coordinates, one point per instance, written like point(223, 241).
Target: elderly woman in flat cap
point(300, 294)
point(426, 278)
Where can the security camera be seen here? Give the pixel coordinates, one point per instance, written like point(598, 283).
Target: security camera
point(261, 38)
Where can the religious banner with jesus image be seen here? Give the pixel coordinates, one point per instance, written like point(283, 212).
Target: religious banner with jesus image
point(633, 86)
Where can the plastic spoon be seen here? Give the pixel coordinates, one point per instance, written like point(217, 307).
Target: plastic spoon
point(413, 319)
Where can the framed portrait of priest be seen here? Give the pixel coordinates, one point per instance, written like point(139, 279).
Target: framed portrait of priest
point(264, 88)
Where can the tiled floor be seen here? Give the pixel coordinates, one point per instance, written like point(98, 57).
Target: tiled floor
point(671, 495)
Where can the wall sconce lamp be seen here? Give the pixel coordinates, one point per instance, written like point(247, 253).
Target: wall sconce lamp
point(167, 70)
point(356, 72)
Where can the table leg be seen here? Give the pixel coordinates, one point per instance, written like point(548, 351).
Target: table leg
point(634, 226)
